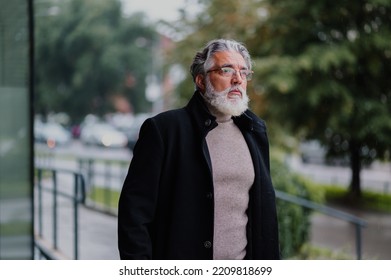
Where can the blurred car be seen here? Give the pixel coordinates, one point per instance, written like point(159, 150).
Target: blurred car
point(52, 134)
point(103, 134)
point(132, 132)
point(312, 152)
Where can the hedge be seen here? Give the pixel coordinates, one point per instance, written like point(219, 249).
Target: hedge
point(294, 220)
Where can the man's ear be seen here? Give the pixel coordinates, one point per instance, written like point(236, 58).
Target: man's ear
point(200, 82)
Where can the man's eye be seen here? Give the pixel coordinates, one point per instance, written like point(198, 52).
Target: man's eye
point(244, 72)
point(227, 70)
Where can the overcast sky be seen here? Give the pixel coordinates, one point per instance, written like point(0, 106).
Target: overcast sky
point(155, 9)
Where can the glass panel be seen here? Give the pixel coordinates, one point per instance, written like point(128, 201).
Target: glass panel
point(16, 220)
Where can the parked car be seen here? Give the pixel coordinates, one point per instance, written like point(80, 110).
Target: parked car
point(132, 132)
point(102, 134)
point(52, 134)
point(312, 152)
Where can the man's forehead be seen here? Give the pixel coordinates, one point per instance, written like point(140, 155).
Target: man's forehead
point(226, 58)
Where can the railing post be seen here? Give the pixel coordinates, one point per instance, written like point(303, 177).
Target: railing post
point(90, 178)
point(54, 176)
point(40, 202)
point(76, 216)
point(358, 223)
point(107, 196)
point(77, 197)
point(358, 241)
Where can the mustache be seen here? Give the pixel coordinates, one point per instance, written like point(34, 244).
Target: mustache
point(235, 88)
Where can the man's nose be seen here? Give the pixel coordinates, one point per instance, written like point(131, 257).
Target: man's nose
point(237, 77)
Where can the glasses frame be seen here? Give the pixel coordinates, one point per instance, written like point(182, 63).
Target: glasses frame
point(245, 74)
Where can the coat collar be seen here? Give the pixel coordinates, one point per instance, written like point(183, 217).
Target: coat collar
point(205, 121)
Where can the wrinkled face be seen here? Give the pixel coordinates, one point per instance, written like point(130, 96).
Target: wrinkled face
point(225, 90)
point(219, 82)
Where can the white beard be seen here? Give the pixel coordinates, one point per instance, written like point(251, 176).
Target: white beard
point(224, 105)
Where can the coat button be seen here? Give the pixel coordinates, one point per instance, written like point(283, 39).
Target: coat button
point(207, 244)
point(208, 122)
point(209, 195)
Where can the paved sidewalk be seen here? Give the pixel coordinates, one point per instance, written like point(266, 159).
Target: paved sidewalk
point(98, 232)
point(339, 236)
point(98, 236)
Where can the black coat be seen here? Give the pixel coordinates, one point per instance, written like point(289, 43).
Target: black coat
point(166, 204)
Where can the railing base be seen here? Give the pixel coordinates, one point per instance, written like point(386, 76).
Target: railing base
point(47, 250)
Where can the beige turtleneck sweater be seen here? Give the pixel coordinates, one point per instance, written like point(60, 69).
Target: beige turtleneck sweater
point(233, 176)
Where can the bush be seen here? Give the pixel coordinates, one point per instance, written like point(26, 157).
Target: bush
point(370, 200)
point(294, 220)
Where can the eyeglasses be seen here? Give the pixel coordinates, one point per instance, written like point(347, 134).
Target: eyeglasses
point(229, 72)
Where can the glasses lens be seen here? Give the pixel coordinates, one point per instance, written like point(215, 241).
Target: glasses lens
point(227, 71)
point(246, 74)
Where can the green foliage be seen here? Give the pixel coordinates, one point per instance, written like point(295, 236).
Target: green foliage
point(321, 70)
point(105, 197)
point(308, 252)
point(325, 69)
point(294, 220)
point(370, 200)
point(86, 53)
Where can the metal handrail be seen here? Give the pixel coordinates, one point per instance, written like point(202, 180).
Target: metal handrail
point(357, 222)
point(77, 197)
point(80, 197)
point(105, 174)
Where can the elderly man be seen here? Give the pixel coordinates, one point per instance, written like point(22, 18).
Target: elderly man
point(199, 186)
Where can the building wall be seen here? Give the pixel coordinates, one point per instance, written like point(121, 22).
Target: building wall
point(16, 195)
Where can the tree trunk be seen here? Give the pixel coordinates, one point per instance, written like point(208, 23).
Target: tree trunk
point(355, 164)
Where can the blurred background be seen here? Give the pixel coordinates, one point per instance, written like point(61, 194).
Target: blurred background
point(79, 77)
